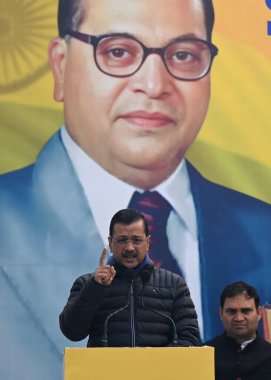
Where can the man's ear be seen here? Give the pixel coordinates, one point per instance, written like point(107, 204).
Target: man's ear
point(260, 312)
point(110, 243)
point(220, 313)
point(57, 54)
point(148, 242)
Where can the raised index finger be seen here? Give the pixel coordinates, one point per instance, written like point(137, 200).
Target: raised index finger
point(102, 258)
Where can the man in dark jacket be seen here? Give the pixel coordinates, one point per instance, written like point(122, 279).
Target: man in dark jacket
point(129, 302)
point(240, 354)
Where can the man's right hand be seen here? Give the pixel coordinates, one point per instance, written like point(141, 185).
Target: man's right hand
point(105, 273)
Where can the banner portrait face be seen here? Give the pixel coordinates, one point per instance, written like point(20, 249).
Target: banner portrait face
point(136, 123)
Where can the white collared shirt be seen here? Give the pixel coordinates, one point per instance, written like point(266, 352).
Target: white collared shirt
point(107, 194)
point(244, 344)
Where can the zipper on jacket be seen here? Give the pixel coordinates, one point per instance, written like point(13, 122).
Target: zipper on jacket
point(132, 313)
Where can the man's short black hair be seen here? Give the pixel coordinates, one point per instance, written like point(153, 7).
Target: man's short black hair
point(127, 216)
point(209, 15)
point(71, 14)
point(239, 287)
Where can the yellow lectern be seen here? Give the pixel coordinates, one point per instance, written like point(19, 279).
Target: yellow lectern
point(146, 363)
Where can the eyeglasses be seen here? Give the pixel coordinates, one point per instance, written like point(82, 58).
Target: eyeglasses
point(122, 241)
point(122, 55)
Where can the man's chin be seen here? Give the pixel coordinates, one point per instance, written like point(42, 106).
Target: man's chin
point(240, 333)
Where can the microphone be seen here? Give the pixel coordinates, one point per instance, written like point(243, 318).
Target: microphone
point(105, 337)
point(129, 276)
point(145, 275)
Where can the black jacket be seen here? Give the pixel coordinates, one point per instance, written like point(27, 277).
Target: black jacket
point(251, 363)
point(150, 301)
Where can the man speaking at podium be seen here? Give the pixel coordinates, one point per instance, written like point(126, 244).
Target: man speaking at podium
point(128, 302)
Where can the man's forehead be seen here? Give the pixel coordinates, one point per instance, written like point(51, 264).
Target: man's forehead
point(109, 5)
point(178, 16)
point(239, 301)
point(198, 4)
point(134, 226)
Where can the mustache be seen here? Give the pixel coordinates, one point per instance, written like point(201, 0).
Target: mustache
point(129, 255)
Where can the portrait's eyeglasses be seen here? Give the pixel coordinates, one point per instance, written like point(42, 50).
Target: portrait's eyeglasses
point(122, 241)
point(122, 55)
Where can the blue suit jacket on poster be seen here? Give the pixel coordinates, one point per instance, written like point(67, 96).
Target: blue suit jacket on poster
point(48, 237)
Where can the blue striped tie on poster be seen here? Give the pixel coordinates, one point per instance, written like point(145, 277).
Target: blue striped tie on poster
point(232, 150)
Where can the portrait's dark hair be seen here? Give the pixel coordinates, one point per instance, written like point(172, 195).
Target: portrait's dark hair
point(239, 287)
point(128, 216)
point(209, 15)
point(71, 14)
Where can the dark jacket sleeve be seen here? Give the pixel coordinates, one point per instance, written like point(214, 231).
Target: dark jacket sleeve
point(185, 316)
point(86, 296)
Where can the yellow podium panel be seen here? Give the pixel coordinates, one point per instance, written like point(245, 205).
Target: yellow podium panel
point(147, 363)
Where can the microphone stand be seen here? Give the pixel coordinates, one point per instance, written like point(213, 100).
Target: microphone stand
point(105, 337)
point(175, 335)
point(129, 277)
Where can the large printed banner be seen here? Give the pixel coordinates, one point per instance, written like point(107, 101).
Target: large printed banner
point(233, 147)
point(40, 260)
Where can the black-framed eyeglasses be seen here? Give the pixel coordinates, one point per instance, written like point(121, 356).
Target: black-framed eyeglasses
point(122, 55)
point(122, 241)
